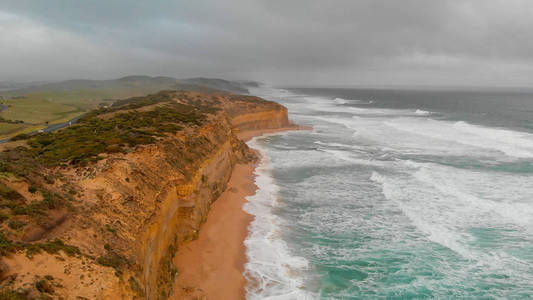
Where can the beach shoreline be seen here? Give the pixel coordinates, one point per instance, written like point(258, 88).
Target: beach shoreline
point(212, 266)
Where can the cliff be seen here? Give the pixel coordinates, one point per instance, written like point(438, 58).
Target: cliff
point(98, 210)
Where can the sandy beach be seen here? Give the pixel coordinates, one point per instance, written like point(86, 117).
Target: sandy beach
point(212, 266)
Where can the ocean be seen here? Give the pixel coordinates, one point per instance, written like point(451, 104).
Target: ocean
point(394, 194)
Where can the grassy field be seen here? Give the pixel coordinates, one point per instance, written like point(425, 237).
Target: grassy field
point(10, 128)
point(36, 110)
point(40, 109)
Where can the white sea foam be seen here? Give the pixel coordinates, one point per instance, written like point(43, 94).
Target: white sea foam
point(422, 112)
point(355, 148)
point(439, 203)
point(512, 143)
point(340, 101)
point(271, 270)
point(428, 136)
point(354, 159)
point(485, 197)
point(308, 158)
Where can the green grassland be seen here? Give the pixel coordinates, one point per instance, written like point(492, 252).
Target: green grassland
point(41, 108)
point(36, 110)
point(8, 128)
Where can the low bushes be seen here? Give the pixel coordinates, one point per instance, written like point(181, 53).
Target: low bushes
point(82, 143)
point(51, 247)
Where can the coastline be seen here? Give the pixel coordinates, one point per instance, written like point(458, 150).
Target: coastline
point(212, 266)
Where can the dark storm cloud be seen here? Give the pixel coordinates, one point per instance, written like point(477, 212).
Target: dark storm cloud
point(293, 42)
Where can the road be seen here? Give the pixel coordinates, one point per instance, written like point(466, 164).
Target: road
point(52, 127)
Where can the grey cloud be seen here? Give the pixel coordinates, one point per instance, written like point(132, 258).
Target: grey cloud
point(283, 42)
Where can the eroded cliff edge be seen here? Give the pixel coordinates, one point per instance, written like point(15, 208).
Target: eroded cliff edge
point(98, 210)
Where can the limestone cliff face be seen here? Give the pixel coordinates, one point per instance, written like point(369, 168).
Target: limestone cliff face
point(276, 118)
point(184, 205)
point(135, 209)
point(165, 208)
point(160, 207)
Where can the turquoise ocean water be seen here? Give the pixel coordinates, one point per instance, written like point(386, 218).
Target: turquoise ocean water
point(395, 194)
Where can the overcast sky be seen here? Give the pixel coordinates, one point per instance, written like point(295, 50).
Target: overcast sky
point(284, 42)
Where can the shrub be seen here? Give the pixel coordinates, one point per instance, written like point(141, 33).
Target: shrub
point(8, 294)
point(112, 259)
point(52, 247)
point(44, 286)
point(136, 287)
point(94, 135)
point(52, 201)
point(7, 246)
point(22, 136)
point(9, 194)
point(110, 229)
point(15, 224)
point(49, 179)
point(34, 209)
